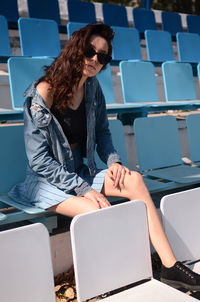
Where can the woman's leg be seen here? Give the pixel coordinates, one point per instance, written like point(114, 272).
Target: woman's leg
point(73, 206)
point(135, 188)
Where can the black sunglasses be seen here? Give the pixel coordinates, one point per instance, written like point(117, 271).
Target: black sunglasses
point(102, 57)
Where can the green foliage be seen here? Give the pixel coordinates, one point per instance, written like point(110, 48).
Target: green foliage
point(120, 2)
point(180, 6)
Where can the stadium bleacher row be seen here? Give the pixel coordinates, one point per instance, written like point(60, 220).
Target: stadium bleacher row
point(83, 11)
point(159, 45)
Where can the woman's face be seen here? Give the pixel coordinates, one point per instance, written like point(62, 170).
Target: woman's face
point(91, 65)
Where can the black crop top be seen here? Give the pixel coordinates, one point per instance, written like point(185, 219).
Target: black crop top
point(73, 123)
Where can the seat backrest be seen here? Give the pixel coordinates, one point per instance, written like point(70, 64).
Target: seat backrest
point(171, 22)
point(27, 70)
point(126, 44)
point(107, 254)
point(46, 9)
point(9, 9)
point(143, 19)
point(115, 15)
point(178, 81)
point(105, 79)
point(46, 40)
point(188, 46)
point(198, 72)
point(193, 24)
point(157, 142)
point(159, 45)
point(73, 26)
point(5, 49)
point(13, 160)
point(138, 82)
point(193, 126)
point(80, 11)
point(180, 216)
point(117, 133)
point(25, 261)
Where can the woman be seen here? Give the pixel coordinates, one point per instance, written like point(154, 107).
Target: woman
point(65, 118)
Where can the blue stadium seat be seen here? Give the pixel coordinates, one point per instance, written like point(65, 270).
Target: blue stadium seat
point(46, 9)
point(188, 45)
point(143, 19)
point(179, 82)
point(18, 167)
point(27, 70)
point(115, 15)
point(9, 9)
point(126, 44)
point(5, 49)
point(159, 152)
point(13, 158)
point(46, 41)
point(193, 126)
point(159, 46)
point(80, 11)
point(193, 24)
point(105, 79)
point(73, 26)
point(138, 82)
point(171, 22)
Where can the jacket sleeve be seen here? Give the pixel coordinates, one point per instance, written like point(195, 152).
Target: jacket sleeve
point(105, 148)
point(42, 161)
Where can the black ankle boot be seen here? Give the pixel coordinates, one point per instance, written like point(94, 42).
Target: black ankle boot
point(180, 275)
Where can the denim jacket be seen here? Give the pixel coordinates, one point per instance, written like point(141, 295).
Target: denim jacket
point(48, 151)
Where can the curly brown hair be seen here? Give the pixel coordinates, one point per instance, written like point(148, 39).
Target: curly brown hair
point(64, 74)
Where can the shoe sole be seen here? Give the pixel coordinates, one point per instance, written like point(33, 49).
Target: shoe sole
point(178, 284)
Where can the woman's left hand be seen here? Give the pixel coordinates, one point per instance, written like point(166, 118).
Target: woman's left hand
point(117, 173)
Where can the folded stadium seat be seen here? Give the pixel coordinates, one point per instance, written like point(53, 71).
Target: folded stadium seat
point(193, 24)
point(143, 19)
point(126, 44)
point(73, 26)
point(188, 46)
point(159, 152)
point(193, 126)
point(159, 46)
point(46, 42)
point(5, 49)
point(179, 83)
point(46, 9)
point(115, 15)
point(27, 70)
point(81, 11)
point(9, 9)
point(172, 23)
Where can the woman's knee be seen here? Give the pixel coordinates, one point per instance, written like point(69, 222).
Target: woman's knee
point(135, 179)
point(73, 206)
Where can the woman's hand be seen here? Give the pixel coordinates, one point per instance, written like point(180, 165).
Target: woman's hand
point(98, 198)
point(117, 173)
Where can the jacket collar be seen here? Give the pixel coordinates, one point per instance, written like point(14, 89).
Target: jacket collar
point(89, 92)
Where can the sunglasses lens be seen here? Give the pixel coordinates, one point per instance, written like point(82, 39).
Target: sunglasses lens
point(90, 52)
point(102, 58)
